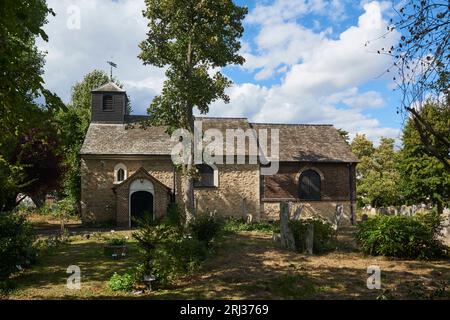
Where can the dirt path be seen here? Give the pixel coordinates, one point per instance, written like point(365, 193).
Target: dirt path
point(252, 266)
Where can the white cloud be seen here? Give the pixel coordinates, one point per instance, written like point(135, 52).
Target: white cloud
point(316, 72)
point(322, 73)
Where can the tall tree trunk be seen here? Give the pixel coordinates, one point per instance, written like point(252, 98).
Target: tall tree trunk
point(188, 192)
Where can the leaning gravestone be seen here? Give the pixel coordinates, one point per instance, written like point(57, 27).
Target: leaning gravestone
point(287, 238)
point(309, 239)
point(338, 214)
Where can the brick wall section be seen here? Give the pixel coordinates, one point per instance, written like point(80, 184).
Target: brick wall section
point(161, 198)
point(236, 183)
point(98, 200)
point(335, 182)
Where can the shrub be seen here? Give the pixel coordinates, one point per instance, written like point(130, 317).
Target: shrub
point(205, 228)
point(177, 257)
point(123, 282)
point(401, 236)
point(116, 242)
point(323, 234)
point(16, 240)
point(236, 225)
point(174, 216)
point(167, 252)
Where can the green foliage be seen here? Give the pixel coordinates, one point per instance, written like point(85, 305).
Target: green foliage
point(116, 242)
point(174, 216)
point(423, 176)
point(123, 282)
point(293, 286)
point(21, 84)
point(177, 257)
point(16, 240)
point(401, 236)
point(323, 234)
point(205, 228)
point(377, 174)
point(166, 251)
point(194, 39)
point(344, 135)
point(236, 225)
point(191, 37)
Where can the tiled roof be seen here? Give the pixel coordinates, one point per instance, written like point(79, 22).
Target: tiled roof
point(308, 142)
point(109, 87)
point(321, 143)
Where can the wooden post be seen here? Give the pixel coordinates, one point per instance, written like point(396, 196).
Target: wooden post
point(309, 239)
point(287, 238)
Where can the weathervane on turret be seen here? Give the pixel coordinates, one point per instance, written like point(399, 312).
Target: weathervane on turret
point(112, 64)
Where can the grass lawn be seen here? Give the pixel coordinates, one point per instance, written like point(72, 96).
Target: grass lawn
point(247, 265)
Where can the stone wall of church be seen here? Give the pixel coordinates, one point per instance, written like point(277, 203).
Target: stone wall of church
point(236, 195)
point(98, 200)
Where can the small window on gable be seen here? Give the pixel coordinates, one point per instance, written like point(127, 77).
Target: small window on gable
point(107, 102)
point(120, 173)
point(310, 185)
point(208, 176)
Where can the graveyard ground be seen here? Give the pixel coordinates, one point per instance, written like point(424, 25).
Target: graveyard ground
point(247, 265)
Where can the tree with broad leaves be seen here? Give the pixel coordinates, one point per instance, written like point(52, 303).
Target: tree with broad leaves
point(424, 178)
point(192, 38)
point(21, 86)
point(377, 175)
point(421, 59)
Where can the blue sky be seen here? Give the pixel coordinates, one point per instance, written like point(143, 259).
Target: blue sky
point(306, 61)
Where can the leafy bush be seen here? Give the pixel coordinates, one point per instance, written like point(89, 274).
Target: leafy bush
point(167, 252)
point(174, 216)
point(401, 236)
point(116, 242)
point(205, 228)
point(323, 234)
point(16, 240)
point(236, 225)
point(123, 282)
point(177, 257)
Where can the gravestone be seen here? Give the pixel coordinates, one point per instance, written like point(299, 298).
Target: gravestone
point(309, 239)
point(338, 214)
point(287, 238)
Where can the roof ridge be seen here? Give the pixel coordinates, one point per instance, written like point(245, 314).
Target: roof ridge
point(106, 88)
point(220, 118)
point(292, 124)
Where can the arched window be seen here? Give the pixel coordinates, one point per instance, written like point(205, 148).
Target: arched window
point(207, 176)
point(309, 185)
point(120, 173)
point(107, 102)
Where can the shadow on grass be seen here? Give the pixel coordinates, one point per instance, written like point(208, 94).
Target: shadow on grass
point(248, 265)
